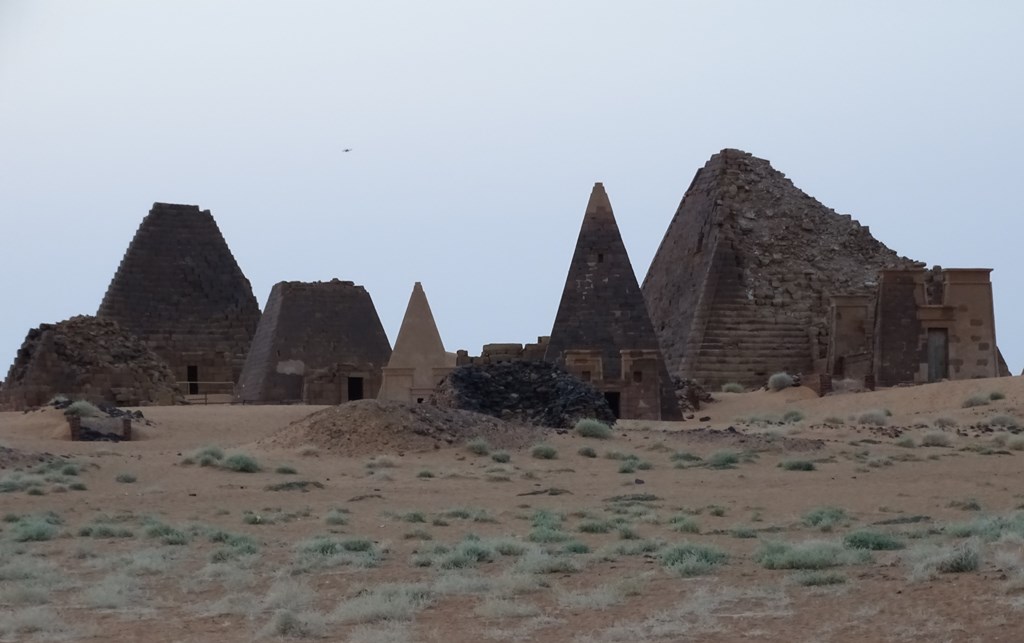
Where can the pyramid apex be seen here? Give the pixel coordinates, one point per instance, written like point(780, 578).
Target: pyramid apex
point(598, 200)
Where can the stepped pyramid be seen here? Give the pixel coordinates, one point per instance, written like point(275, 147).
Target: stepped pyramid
point(180, 290)
point(602, 332)
point(741, 284)
point(320, 342)
point(419, 361)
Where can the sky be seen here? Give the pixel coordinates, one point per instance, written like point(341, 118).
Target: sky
point(477, 130)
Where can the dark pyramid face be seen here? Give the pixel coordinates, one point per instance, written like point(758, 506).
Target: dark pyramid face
point(180, 290)
point(602, 307)
point(603, 312)
point(311, 326)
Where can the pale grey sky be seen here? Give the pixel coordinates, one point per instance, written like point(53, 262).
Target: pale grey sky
point(478, 129)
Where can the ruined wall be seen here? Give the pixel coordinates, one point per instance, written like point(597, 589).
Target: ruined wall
point(898, 350)
point(602, 314)
point(851, 337)
point(972, 342)
point(312, 340)
point(741, 284)
point(86, 358)
point(506, 352)
point(180, 290)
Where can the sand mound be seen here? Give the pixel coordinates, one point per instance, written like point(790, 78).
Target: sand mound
point(371, 426)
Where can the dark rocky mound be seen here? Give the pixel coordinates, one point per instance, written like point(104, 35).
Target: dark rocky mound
point(535, 393)
point(86, 358)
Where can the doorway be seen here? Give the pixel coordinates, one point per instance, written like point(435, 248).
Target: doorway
point(938, 354)
point(614, 399)
point(355, 389)
point(192, 375)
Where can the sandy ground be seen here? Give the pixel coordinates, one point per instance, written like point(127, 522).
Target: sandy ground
point(453, 546)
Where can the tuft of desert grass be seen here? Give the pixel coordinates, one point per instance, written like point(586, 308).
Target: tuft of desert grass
point(692, 559)
point(478, 446)
point(975, 400)
point(936, 439)
point(591, 428)
point(733, 387)
point(780, 381)
point(544, 452)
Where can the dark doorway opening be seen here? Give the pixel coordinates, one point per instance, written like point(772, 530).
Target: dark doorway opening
point(614, 400)
point(938, 354)
point(355, 388)
point(192, 376)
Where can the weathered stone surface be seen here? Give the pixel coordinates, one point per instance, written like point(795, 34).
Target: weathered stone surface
point(602, 332)
point(180, 290)
point(523, 392)
point(319, 342)
point(86, 358)
point(740, 286)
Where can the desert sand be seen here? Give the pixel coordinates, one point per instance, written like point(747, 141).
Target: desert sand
point(448, 544)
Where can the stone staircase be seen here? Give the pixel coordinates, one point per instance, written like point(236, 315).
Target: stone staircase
point(745, 343)
point(736, 340)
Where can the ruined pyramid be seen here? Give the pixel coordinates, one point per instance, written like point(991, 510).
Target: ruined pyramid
point(419, 361)
point(740, 286)
point(602, 332)
point(179, 289)
point(321, 343)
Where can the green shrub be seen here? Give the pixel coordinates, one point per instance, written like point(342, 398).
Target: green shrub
point(936, 439)
point(824, 518)
point(628, 466)
point(723, 460)
point(84, 409)
point(975, 400)
point(595, 527)
point(812, 554)
point(1006, 421)
point(285, 470)
point(544, 452)
point(33, 529)
point(587, 452)
point(797, 465)
point(336, 517)
point(873, 540)
point(945, 423)
point(425, 474)
point(501, 456)
point(691, 559)
point(965, 557)
point(780, 381)
point(733, 387)
point(589, 428)
point(906, 442)
point(789, 417)
point(126, 478)
point(874, 417)
point(576, 547)
point(996, 396)
point(1015, 443)
point(241, 462)
point(478, 446)
point(835, 420)
point(685, 524)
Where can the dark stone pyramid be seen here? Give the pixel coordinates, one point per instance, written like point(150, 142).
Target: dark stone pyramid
point(180, 290)
point(310, 327)
point(741, 284)
point(602, 307)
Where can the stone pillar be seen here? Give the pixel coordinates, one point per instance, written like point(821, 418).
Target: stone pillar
point(126, 429)
point(75, 423)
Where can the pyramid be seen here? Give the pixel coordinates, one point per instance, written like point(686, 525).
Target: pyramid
point(179, 289)
point(89, 359)
point(319, 342)
point(741, 284)
point(419, 361)
point(602, 332)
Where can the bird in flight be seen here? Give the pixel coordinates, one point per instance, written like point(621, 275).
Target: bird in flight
point(347, 149)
